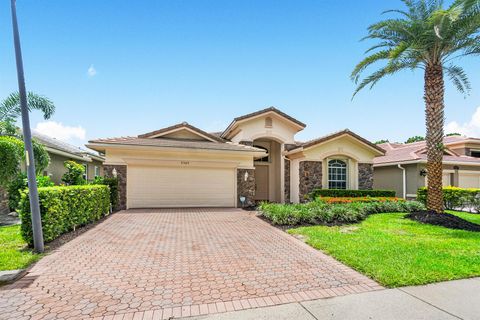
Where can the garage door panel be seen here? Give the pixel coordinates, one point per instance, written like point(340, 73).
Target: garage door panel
point(469, 180)
point(151, 186)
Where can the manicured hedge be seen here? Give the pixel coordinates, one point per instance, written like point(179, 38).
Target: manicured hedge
point(358, 199)
point(65, 208)
point(321, 212)
point(350, 193)
point(455, 198)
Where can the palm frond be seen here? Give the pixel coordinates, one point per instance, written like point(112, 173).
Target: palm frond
point(10, 106)
point(459, 78)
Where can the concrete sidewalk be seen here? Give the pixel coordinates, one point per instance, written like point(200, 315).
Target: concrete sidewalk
point(447, 300)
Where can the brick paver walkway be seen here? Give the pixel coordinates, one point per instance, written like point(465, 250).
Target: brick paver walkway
point(158, 264)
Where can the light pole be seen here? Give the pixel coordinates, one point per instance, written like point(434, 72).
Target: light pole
point(27, 137)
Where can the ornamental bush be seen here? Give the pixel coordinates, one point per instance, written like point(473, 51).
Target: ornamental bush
point(350, 193)
point(20, 183)
point(64, 208)
point(321, 212)
point(455, 198)
point(358, 199)
point(74, 174)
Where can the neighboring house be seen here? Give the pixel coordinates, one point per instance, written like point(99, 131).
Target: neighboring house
point(60, 152)
point(403, 167)
point(255, 159)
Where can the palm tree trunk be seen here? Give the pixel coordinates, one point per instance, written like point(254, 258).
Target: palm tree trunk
point(434, 116)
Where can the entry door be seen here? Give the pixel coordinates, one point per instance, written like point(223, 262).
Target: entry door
point(261, 183)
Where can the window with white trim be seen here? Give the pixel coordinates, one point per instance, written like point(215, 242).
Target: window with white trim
point(337, 174)
point(97, 171)
point(85, 171)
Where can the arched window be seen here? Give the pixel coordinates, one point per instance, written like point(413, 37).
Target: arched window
point(264, 159)
point(337, 174)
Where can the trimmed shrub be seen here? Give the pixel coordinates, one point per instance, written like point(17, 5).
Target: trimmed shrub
point(359, 199)
point(321, 212)
point(350, 193)
point(74, 174)
point(20, 183)
point(455, 198)
point(64, 208)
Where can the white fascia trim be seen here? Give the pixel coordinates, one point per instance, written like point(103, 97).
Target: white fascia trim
point(67, 154)
point(175, 149)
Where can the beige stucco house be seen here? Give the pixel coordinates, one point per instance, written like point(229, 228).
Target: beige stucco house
point(256, 158)
point(60, 152)
point(403, 167)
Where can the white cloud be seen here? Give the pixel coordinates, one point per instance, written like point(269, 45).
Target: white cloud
point(59, 131)
point(92, 72)
point(470, 128)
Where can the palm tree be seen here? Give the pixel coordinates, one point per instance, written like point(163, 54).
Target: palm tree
point(429, 37)
point(10, 107)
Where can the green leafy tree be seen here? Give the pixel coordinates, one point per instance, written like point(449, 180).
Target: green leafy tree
point(415, 139)
point(452, 134)
point(10, 106)
point(426, 36)
point(12, 154)
point(74, 174)
point(382, 141)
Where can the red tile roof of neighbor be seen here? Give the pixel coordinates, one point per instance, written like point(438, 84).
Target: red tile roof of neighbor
point(416, 152)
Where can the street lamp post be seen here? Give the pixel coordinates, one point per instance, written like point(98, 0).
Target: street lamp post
point(27, 137)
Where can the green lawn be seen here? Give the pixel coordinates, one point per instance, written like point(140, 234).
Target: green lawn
point(13, 251)
point(398, 252)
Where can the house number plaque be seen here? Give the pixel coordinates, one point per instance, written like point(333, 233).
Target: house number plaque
point(184, 163)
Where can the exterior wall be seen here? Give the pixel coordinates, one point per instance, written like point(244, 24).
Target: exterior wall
point(123, 156)
point(246, 187)
point(310, 173)
point(56, 169)
point(365, 176)
point(122, 183)
point(388, 178)
point(287, 181)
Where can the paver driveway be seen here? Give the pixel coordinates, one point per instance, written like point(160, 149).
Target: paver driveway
point(176, 262)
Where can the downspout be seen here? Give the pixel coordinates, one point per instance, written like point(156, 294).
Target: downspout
point(404, 180)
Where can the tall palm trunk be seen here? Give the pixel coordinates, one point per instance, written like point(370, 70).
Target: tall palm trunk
point(434, 116)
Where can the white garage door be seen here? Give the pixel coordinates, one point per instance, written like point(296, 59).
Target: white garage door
point(156, 187)
point(468, 180)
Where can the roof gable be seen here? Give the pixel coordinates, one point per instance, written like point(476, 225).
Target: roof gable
point(263, 113)
point(330, 137)
point(181, 131)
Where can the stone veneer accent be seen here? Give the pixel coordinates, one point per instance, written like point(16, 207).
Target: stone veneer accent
point(365, 176)
point(310, 173)
point(246, 188)
point(287, 181)
point(122, 183)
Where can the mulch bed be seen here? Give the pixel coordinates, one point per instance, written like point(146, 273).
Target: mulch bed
point(446, 220)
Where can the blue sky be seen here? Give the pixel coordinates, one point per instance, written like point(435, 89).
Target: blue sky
point(157, 63)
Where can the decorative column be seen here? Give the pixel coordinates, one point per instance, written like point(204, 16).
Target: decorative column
point(121, 173)
point(365, 176)
point(246, 187)
point(310, 173)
